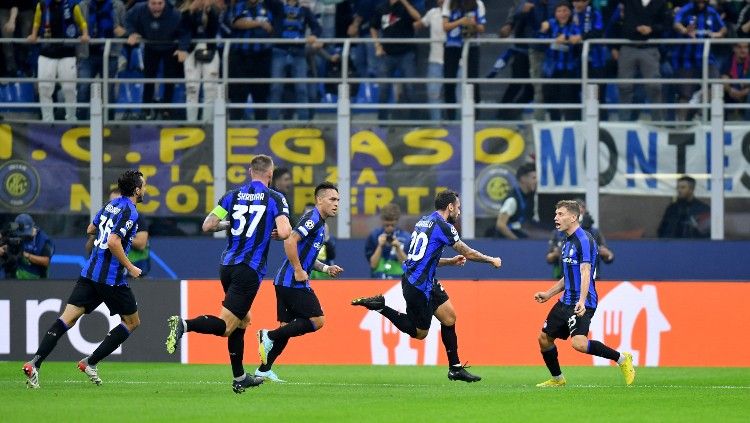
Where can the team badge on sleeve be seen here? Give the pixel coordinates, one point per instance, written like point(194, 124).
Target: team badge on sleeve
point(309, 224)
point(128, 224)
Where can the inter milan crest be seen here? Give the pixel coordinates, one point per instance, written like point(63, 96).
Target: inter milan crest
point(20, 184)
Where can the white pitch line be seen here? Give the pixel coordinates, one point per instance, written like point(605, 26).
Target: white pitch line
point(407, 385)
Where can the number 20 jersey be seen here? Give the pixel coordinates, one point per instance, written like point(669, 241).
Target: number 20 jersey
point(431, 234)
point(119, 217)
point(252, 211)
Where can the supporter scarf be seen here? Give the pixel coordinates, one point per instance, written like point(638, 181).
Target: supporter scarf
point(63, 11)
point(101, 19)
point(733, 69)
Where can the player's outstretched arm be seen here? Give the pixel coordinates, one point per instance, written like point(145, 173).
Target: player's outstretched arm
point(474, 255)
point(543, 296)
point(213, 222)
point(332, 270)
point(458, 260)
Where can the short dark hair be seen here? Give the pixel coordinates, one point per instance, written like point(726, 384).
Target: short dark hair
point(444, 198)
point(525, 169)
point(261, 163)
point(129, 181)
point(390, 211)
point(570, 205)
point(689, 179)
point(279, 172)
point(324, 186)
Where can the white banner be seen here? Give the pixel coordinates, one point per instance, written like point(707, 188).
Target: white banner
point(638, 159)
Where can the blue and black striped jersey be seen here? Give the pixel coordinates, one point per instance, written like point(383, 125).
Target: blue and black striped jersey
point(706, 22)
point(311, 229)
point(431, 234)
point(578, 248)
point(252, 211)
point(118, 217)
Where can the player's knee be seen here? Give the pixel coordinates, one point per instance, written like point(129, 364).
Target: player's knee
point(581, 345)
point(544, 340)
point(421, 333)
point(318, 322)
point(449, 320)
point(131, 323)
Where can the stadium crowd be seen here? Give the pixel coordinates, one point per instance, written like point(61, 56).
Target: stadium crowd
point(162, 38)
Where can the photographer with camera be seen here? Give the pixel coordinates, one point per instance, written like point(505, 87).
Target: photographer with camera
point(386, 246)
point(25, 250)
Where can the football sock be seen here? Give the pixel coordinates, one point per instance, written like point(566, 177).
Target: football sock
point(620, 359)
point(278, 348)
point(550, 359)
point(240, 377)
point(400, 320)
point(296, 327)
point(211, 325)
point(450, 342)
point(600, 350)
point(49, 341)
point(236, 347)
point(114, 338)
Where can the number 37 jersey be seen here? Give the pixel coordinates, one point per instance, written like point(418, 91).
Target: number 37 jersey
point(431, 234)
point(252, 211)
point(118, 217)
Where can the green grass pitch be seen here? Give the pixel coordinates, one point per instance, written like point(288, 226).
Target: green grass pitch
point(148, 392)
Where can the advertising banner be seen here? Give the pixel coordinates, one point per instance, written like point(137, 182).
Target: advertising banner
point(498, 322)
point(638, 159)
point(46, 167)
point(28, 309)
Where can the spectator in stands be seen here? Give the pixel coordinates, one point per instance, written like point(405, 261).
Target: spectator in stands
point(517, 210)
point(16, 19)
point(386, 247)
point(105, 19)
point(253, 20)
point(157, 23)
point(590, 24)
point(57, 61)
point(200, 20)
point(687, 217)
point(642, 21)
point(282, 182)
point(558, 238)
point(696, 20)
point(140, 247)
point(525, 22)
point(25, 250)
point(433, 19)
point(462, 20)
point(327, 252)
point(562, 61)
point(737, 69)
point(394, 19)
point(363, 54)
point(743, 21)
point(292, 23)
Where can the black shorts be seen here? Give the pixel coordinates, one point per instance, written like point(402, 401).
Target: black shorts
point(240, 284)
point(562, 322)
point(293, 303)
point(420, 309)
point(89, 294)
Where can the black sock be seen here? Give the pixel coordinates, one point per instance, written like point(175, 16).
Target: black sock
point(114, 338)
point(211, 325)
point(450, 342)
point(236, 347)
point(401, 321)
point(600, 350)
point(550, 359)
point(278, 348)
point(55, 332)
point(296, 327)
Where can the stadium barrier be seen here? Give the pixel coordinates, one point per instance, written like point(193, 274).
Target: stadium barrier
point(28, 308)
point(662, 323)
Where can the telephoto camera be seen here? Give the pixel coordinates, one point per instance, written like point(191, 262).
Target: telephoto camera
point(10, 236)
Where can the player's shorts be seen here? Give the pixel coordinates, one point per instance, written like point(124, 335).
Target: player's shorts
point(89, 294)
point(240, 284)
point(562, 322)
point(419, 308)
point(294, 303)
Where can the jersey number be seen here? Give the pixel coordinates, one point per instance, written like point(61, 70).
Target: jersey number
point(105, 228)
point(256, 210)
point(417, 246)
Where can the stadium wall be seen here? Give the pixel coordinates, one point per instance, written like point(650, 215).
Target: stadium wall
point(663, 323)
point(198, 258)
